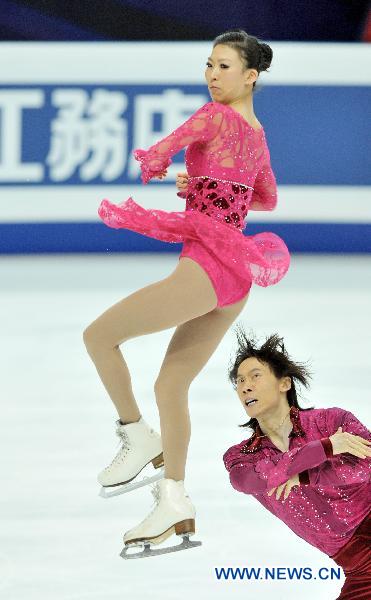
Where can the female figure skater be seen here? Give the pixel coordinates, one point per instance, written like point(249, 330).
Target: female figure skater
point(229, 169)
point(309, 467)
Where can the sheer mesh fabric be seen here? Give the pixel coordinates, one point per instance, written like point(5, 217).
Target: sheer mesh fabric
point(230, 173)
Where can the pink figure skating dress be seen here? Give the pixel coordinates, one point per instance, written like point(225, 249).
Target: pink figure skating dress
point(229, 170)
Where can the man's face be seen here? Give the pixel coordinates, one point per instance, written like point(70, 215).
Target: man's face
point(256, 381)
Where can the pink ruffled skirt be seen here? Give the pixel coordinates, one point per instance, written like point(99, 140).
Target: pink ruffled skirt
point(262, 258)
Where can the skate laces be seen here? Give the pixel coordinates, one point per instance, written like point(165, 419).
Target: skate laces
point(155, 491)
point(124, 442)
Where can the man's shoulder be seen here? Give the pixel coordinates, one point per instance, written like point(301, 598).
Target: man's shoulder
point(234, 452)
point(322, 417)
point(318, 412)
point(237, 447)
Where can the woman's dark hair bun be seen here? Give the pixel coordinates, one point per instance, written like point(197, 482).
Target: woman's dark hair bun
point(266, 56)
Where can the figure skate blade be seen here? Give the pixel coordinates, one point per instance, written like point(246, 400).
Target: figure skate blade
point(109, 492)
point(147, 550)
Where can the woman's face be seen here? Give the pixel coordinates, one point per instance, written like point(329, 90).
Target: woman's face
point(225, 70)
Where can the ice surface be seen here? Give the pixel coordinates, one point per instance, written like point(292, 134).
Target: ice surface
point(59, 539)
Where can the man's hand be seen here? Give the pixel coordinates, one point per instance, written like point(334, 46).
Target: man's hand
point(294, 480)
point(342, 441)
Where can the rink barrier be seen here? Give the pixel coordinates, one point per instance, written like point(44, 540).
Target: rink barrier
point(313, 104)
point(31, 238)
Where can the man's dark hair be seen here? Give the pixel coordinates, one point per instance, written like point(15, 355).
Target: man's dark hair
point(274, 354)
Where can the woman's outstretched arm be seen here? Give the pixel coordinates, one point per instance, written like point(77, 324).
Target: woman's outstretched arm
point(202, 126)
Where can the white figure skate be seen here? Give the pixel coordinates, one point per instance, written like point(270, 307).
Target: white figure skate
point(141, 445)
point(173, 513)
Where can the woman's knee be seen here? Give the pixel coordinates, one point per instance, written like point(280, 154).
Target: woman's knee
point(95, 338)
point(90, 338)
point(170, 388)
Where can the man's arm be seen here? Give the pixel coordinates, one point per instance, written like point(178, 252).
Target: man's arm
point(353, 443)
point(255, 474)
point(312, 462)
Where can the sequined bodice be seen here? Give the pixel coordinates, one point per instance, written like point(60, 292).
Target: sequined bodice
point(224, 201)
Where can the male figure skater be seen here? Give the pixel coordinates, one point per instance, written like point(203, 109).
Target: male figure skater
point(309, 467)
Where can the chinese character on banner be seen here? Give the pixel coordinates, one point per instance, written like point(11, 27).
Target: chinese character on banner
point(13, 104)
point(88, 134)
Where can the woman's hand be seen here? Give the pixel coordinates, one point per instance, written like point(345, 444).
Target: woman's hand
point(182, 181)
point(161, 175)
point(347, 442)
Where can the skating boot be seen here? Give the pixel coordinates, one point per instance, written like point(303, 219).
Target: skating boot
point(173, 513)
point(141, 445)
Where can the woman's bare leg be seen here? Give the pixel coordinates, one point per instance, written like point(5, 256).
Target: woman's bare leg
point(183, 295)
point(190, 348)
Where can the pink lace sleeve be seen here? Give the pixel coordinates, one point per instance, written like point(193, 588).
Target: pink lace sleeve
point(202, 126)
point(264, 196)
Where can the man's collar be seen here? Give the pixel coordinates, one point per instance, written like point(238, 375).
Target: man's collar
point(254, 443)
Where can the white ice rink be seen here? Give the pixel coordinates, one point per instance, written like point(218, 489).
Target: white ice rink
point(59, 539)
